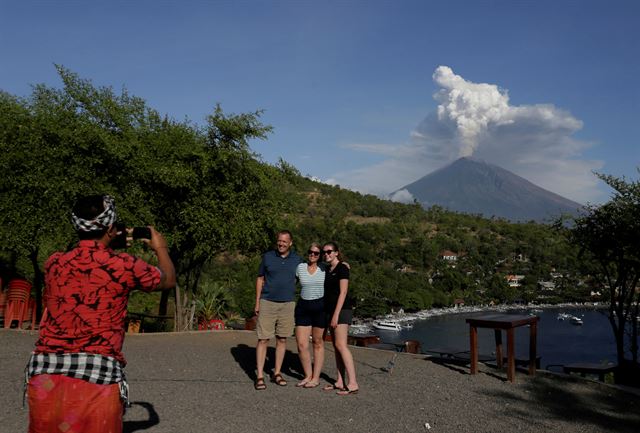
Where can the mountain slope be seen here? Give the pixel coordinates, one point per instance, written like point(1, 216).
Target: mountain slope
point(474, 186)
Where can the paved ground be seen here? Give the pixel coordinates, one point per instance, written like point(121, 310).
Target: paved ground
point(202, 382)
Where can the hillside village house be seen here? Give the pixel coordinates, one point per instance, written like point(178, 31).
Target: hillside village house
point(514, 280)
point(449, 256)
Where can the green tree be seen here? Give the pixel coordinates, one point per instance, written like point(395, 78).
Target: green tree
point(202, 187)
point(609, 239)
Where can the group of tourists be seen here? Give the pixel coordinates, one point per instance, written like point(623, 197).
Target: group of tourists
point(324, 305)
point(75, 376)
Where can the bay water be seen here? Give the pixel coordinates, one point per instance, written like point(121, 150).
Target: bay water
point(559, 341)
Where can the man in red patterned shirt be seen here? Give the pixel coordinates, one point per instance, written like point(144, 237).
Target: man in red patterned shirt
point(76, 378)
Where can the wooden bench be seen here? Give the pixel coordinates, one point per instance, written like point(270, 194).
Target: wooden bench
point(524, 362)
point(362, 340)
point(445, 352)
point(583, 369)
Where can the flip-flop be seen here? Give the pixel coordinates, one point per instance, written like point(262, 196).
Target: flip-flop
point(348, 391)
point(332, 387)
point(310, 384)
point(259, 384)
point(278, 380)
point(302, 383)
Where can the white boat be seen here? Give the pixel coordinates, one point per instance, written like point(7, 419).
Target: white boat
point(359, 329)
point(387, 325)
point(564, 316)
point(576, 320)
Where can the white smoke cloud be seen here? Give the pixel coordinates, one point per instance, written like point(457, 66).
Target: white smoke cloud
point(402, 196)
point(470, 107)
point(476, 119)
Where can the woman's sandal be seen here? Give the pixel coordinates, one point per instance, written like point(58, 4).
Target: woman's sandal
point(311, 385)
point(347, 391)
point(259, 384)
point(302, 383)
point(332, 387)
point(278, 380)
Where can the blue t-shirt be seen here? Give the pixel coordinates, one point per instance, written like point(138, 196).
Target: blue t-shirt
point(279, 276)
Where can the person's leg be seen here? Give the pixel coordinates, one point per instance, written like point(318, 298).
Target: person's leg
point(261, 356)
point(281, 349)
point(302, 339)
point(340, 341)
point(265, 331)
point(340, 379)
point(318, 353)
point(284, 328)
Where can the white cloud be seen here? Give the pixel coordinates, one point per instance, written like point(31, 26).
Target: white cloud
point(402, 196)
point(471, 108)
point(476, 119)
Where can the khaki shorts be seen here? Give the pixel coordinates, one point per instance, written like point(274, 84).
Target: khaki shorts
point(275, 319)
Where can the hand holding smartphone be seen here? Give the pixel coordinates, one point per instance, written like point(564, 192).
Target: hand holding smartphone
point(126, 235)
point(141, 233)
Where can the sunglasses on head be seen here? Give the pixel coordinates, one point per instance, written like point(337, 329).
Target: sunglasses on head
point(327, 251)
point(313, 253)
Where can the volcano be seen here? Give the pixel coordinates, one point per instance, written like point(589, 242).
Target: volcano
point(474, 186)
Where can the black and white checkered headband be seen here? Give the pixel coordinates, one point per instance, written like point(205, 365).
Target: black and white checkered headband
point(102, 221)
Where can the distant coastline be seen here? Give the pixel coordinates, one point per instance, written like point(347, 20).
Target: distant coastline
point(401, 316)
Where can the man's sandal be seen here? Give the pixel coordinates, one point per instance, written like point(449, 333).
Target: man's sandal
point(278, 380)
point(259, 384)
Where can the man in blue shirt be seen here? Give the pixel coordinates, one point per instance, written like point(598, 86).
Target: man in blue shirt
point(275, 304)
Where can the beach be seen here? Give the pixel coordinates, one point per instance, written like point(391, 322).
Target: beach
point(203, 382)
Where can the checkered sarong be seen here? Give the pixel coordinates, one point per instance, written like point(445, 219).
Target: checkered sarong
point(98, 369)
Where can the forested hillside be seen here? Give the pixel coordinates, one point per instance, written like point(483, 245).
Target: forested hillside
point(220, 206)
point(395, 251)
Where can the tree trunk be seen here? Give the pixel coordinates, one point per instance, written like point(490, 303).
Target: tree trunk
point(38, 279)
point(164, 302)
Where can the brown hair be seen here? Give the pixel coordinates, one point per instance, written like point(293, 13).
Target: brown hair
point(335, 248)
point(285, 232)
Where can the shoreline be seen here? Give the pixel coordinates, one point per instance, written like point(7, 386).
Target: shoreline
point(406, 318)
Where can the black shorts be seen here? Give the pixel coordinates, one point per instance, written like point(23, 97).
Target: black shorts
point(310, 313)
point(344, 318)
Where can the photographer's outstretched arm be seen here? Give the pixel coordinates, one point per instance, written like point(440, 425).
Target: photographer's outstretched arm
point(159, 245)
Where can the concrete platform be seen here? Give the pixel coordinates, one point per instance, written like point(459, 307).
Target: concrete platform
point(203, 382)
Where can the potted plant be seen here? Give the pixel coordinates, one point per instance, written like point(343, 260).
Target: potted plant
point(212, 301)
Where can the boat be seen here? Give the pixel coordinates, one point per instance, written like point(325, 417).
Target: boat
point(564, 316)
point(576, 320)
point(359, 329)
point(387, 325)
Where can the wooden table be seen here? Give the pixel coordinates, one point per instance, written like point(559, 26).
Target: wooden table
point(507, 322)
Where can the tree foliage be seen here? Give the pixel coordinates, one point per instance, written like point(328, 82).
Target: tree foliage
point(609, 240)
point(202, 187)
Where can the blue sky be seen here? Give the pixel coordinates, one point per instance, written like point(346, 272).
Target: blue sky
point(371, 95)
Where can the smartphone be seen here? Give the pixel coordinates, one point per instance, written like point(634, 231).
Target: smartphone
point(120, 241)
point(141, 233)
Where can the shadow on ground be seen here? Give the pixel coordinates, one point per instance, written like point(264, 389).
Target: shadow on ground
point(133, 426)
point(245, 356)
point(611, 411)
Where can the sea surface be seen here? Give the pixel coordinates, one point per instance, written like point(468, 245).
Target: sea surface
point(559, 342)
